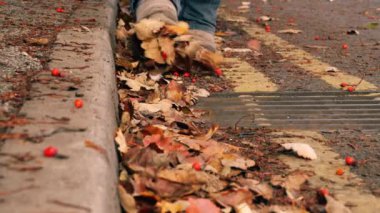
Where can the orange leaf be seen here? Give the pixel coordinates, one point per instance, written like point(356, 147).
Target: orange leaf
point(202, 205)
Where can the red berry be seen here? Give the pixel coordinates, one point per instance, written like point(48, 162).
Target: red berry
point(351, 89)
point(78, 103)
point(50, 151)
point(186, 74)
point(164, 55)
point(218, 71)
point(258, 20)
point(323, 192)
point(193, 80)
point(345, 46)
point(197, 166)
point(176, 74)
point(350, 161)
point(317, 38)
point(55, 72)
point(343, 84)
point(60, 10)
point(267, 28)
point(339, 171)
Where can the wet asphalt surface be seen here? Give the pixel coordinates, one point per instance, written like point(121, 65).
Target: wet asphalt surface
point(323, 23)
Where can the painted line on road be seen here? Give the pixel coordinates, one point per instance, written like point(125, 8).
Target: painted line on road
point(297, 56)
point(347, 188)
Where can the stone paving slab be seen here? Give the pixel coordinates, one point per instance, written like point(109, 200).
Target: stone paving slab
point(86, 180)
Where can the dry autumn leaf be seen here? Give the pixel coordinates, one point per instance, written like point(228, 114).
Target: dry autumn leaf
point(152, 50)
point(301, 149)
point(289, 31)
point(147, 28)
point(121, 141)
point(262, 189)
point(179, 28)
point(233, 198)
point(174, 91)
point(178, 206)
point(202, 205)
point(37, 41)
point(167, 50)
point(127, 201)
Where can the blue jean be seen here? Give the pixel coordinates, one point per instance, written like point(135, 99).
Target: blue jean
point(200, 14)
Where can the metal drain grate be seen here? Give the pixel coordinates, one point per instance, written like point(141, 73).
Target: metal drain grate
point(301, 110)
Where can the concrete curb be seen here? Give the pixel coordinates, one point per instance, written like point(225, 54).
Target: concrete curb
point(87, 180)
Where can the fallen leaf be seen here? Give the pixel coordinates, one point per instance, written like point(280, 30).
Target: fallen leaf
point(333, 206)
point(121, 141)
point(233, 197)
point(134, 84)
point(178, 206)
point(262, 189)
point(235, 161)
point(147, 28)
point(209, 134)
point(152, 50)
point(202, 205)
point(167, 50)
point(301, 149)
point(37, 41)
point(243, 208)
point(189, 176)
point(254, 44)
point(289, 31)
point(127, 201)
point(174, 91)
point(179, 28)
point(164, 105)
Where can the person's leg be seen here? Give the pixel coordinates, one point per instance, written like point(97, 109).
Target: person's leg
point(163, 10)
point(201, 16)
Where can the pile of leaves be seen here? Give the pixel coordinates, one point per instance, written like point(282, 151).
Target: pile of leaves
point(171, 159)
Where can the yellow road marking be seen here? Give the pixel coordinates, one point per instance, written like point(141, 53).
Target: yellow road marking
point(347, 188)
point(246, 78)
point(299, 57)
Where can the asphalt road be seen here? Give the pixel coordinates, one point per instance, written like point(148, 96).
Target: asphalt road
point(298, 61)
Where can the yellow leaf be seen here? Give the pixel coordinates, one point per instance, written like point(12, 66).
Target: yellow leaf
point(178, 29)
point(147, 28)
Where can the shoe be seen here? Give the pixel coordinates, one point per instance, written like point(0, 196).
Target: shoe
point(162, 10)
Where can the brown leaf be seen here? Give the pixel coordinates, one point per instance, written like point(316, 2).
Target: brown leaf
point(235, 161)
point(201, 205)
point(147, 28)
point(292, 183)
point(174, 91)
point(254, 44)
point(127, 201)
point(169, 189)
point(179, 28)
point(37, 41)
point(152, 50)
point(289, 31)
point(233, 197)
point(209, 134)
point(121, 141)
point(190, 176)
point(167, 50)
point(178, 206)
point(262, 189)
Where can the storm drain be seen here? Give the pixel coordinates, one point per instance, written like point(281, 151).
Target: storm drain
point(296, 110)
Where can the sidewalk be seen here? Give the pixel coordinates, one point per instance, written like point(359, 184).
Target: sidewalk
point(82, 50)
